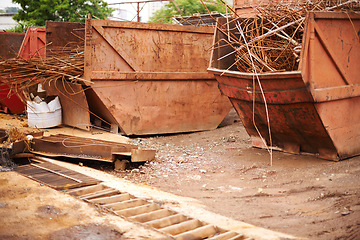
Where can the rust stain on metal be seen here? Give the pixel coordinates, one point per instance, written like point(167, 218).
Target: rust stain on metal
point(33, 45)
point(86, 148)
point(312, 109)
point(140, 72)
point(55, 176)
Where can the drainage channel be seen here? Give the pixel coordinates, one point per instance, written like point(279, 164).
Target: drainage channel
point(146, 212)
point(152, 214)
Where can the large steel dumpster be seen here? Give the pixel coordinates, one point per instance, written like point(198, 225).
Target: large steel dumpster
point(146, 78)
point(314, 109)
point(152, 77)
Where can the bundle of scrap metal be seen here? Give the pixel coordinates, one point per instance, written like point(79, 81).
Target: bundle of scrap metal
point(272, 40)
point(20, 74)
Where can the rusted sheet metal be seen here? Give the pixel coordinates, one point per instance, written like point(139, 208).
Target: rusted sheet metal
point(152, 78)
point(62, 35)
point(33, 45)
point(313, 109)
point(75, 107)
point(246, 8)
point(9, 47)
point(84, 148)
point(76, 147)
point(55, 176)
point(10, 44)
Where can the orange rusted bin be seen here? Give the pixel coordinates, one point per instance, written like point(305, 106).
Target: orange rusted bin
point(33, 45)
point(314, 109)
point(152, 78)
point(140, 78)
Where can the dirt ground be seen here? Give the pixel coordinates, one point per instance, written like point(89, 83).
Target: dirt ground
point(299, 195)
point(31, 211)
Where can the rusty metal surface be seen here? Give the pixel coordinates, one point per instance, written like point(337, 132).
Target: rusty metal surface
point(152, 78)
point(330, 66)
point(33, 45)
point(313, 109)
point(208, 19)
point(75, 108)
point(77, 147)
point(55, 176)
point(61, 35)
point(9, 47)
point(10, 44)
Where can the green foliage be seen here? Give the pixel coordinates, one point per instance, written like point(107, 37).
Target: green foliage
point(187, 8)
point(39, 11)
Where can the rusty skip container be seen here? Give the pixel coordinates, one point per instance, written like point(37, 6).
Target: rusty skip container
point(314, 109)
point(32, 45)
point(152, 78)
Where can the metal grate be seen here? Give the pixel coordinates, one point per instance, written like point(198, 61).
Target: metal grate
point(55, 176)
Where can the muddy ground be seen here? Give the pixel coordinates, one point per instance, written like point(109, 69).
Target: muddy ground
point(299, 195)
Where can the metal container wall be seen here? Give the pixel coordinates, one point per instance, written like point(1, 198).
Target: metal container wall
point(75, 108)
point(33, 45)
point(245, 8)
point(314, 109)
point(152, 78)
point(10, 44)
